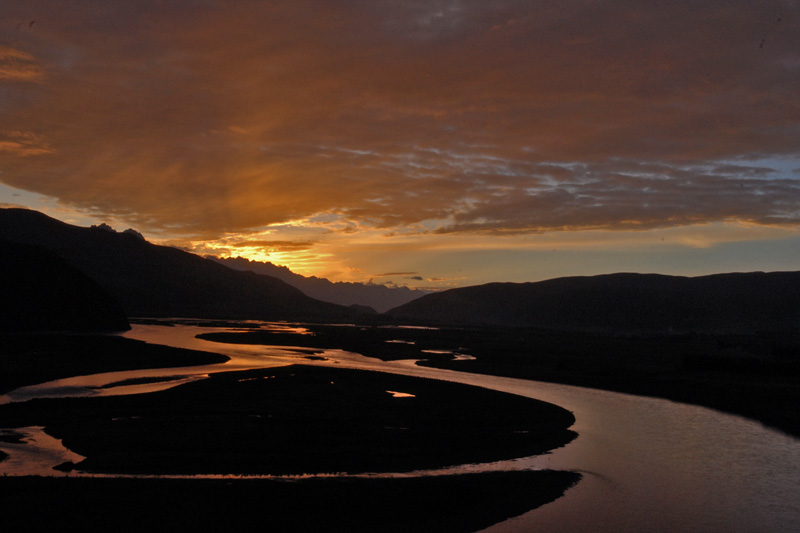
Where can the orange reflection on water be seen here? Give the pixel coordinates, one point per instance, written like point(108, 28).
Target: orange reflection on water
point(396, 394)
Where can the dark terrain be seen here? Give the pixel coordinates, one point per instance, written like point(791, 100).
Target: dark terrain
point(624, 303)
point(41, 292)
point(296, 420)
point(415, 505)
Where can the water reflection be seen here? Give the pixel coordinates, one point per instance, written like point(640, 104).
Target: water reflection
point(242, 357)
point(32, 452)
point(396, 394)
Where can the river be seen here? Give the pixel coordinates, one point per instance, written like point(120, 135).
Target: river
point(648, 464)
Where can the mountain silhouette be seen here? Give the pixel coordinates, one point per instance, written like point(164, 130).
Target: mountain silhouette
point(41, 292)
point(754, 301)
point(379, 297)
point(160, 281)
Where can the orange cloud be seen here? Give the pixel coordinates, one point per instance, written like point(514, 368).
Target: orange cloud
point(483, 117)
point(275, 246)
point(23, 143)
point(19, 66)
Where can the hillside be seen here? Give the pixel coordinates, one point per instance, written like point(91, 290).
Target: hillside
point(621, 302)
point(379, 297)
point(40, 292)
point(151, 280)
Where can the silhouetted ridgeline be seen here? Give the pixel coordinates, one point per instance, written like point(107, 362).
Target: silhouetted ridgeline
point(378, 297)
point(40, 292)
point(152, 280)
point(631, 302)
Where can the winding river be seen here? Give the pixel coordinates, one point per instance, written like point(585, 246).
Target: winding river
point(647, 464)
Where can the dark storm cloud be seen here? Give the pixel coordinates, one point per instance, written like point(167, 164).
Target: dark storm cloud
point(621, 195)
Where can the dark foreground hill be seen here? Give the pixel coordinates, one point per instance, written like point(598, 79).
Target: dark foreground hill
point(151, 280)
point(621, 302)
point(40, 292)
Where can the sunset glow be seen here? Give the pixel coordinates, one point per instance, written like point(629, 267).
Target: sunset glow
point(428, 144)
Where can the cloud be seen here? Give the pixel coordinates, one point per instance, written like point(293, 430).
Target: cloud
point(512, 117)
point(390, 274)
point(23, 143)
point(625, 195)
point(19, 66)
point(274, 246)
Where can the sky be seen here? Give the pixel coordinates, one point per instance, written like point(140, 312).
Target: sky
point(435, 143)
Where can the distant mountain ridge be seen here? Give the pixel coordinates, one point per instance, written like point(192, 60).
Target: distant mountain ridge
point(733, 302)
point(159, 281)
point(378, 297)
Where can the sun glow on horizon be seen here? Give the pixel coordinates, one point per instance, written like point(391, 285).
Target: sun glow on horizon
point(373, 256)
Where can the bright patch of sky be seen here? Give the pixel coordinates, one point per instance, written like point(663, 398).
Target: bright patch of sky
point(13, 197)
point(781, 167)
